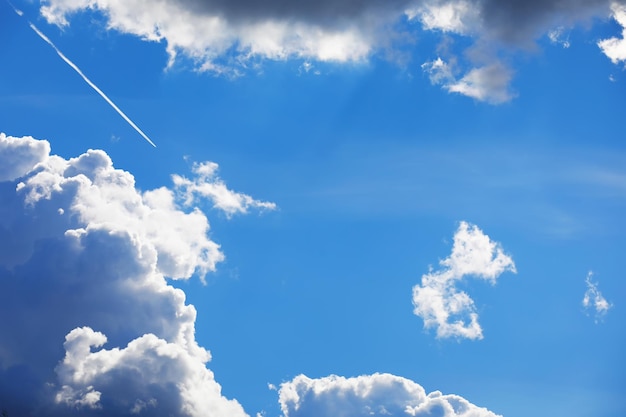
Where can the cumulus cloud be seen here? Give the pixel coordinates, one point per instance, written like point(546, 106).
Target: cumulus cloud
point(593, 299)
point(86, 257)
point(439, 302)
point(615, 48)
point(370, 395)
point(18, 156)
point(223, 36)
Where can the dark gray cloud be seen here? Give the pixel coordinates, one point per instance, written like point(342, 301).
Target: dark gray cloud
point(323, 12)
point(521, 21)
point(510, 20)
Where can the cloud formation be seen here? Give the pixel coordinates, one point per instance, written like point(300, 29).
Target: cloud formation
point(593, 299)
point(86, 257)
point(489, 83)
point(19, 155)
point(374, 395)
point(615, 48)
point(226, 36)
point(207, 185)
point(439, 302)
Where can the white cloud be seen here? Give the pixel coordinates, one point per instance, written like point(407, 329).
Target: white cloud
point(209, 37)
point(208, 185)
point(440, 303)
point(460, 17)
point(615, 48)
point(439, 71)
point(556, 36)
point(593, 299)
point(147, 367)
point(370, 395)
point(489, 83)
point(19, 155)
point(86, 256)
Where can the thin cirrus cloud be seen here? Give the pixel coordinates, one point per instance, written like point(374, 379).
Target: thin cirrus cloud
point(87, 258)
point(593, 300)
point(374, 395)
point(439, 302)
point(224, 36)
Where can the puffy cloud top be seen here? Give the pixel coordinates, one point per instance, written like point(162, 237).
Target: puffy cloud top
point(440, 303)
point(20, 155)
point(86, 257)
point(370, 395)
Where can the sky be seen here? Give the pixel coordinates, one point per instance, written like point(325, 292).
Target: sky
point(319, 208)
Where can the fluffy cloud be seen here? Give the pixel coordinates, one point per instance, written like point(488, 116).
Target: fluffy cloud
point(462, 17)
point(18, 156)
point(615, 48)
point(370, 395)
point(593, 299)
point(223, 36)
point(85, 257)
point(137, 378)
point(440, 303)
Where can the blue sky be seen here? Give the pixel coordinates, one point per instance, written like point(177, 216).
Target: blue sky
point(468, 151)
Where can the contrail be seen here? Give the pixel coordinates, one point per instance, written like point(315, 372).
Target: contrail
point(87, 80)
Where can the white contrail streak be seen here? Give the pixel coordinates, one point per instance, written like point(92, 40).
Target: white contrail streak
point(87, 80)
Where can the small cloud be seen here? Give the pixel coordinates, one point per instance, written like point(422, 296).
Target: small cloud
point(489, 83)
point(439, 71)
point(615, 48)
point(440, 303)
point(556, 37)
point(593, 299)
point(307, 67)
point(206, 184)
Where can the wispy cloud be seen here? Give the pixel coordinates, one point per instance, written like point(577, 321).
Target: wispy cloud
point(488, 83)
point(593, 299)
point(440, 303)
point(376, 395)
point(84, 77)
point(206, 184)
